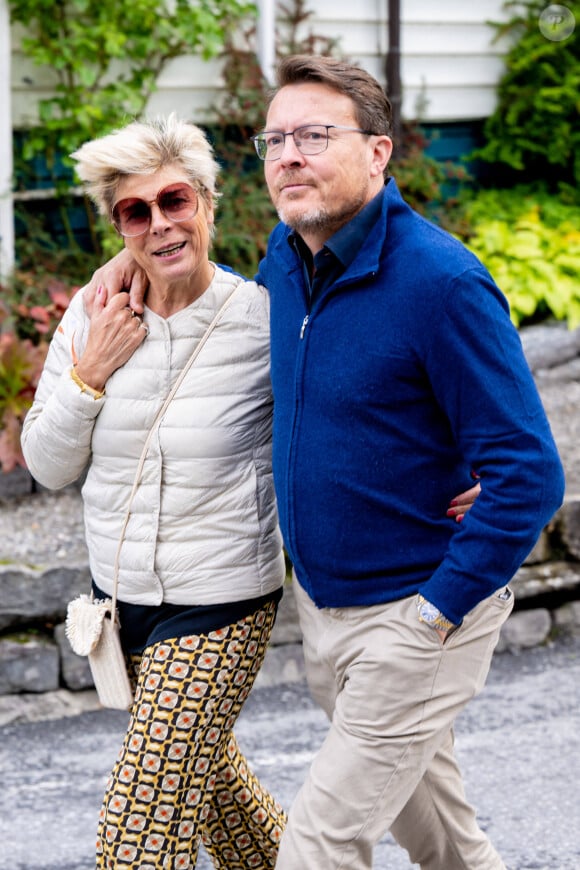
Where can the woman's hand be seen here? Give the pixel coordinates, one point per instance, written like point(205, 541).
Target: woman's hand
point(114, 335)
point(463, 502)
point(120, 273)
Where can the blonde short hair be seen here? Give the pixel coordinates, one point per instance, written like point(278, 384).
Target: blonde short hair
point(141, 148)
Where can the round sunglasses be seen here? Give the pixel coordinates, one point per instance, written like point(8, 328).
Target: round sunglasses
point(132, 216)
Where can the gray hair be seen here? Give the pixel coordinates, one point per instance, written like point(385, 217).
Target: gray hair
point(141, 148)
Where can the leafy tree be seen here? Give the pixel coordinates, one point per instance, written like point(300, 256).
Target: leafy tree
point(107, 56)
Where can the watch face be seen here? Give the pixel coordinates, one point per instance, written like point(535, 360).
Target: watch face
point(429, 612)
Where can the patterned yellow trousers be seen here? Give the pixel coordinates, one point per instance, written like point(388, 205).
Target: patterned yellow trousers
point(180, 776)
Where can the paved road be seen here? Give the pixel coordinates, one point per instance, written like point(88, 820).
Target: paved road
point(518, 744)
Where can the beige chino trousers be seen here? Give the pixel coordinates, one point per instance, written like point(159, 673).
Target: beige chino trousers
point(392, 691)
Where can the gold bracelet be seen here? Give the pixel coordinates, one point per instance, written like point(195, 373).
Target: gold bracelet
point(96, 394)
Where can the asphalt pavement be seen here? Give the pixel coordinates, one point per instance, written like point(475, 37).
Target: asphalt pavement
point(518, 745)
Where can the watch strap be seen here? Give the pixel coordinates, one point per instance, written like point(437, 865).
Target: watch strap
point(435, 619)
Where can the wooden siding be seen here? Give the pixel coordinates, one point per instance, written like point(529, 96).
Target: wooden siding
point(449, 65)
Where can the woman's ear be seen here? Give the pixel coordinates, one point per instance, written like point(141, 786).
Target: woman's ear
point(207, 203)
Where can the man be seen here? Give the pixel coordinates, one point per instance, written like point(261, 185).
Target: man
point(396, 370)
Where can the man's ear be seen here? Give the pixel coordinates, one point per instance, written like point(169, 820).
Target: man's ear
point(382, 150)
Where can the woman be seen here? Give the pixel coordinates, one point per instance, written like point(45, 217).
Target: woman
point(201, 563)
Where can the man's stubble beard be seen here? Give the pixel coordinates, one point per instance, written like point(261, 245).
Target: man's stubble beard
point(321, 219)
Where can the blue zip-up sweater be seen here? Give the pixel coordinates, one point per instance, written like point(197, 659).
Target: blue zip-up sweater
point(389, 387)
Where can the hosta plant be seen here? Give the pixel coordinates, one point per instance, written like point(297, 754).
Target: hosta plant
point(532, 249)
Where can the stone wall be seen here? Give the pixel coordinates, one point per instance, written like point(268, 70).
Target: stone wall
point(35, 655)
point(43, 561)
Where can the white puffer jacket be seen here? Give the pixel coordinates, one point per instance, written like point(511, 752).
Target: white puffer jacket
point(203, 526)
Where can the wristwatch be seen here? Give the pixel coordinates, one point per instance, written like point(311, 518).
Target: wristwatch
point(432, 616)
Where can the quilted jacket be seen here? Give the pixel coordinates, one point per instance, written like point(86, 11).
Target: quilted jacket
point(203, 526)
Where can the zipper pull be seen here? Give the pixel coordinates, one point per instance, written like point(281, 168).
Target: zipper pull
point(303, 327)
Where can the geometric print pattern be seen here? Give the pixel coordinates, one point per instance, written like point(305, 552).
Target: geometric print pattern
point(180, 776)
point(244, 824)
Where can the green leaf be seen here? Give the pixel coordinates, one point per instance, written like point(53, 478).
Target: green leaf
point(531, 248)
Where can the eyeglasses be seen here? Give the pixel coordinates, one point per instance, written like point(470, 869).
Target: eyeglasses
point(312, 139)
point(132, 216)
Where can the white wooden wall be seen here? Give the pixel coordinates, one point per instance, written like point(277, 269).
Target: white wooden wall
point(449, 66)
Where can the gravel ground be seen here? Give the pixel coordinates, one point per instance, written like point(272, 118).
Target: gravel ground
point(517, 745)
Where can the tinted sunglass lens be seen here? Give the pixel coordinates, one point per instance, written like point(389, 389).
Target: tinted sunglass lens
point(178, 203)
point(132, 216)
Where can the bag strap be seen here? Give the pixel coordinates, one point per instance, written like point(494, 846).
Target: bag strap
point(154, 427)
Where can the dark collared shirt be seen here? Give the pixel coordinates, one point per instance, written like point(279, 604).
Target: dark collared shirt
point(340, 249)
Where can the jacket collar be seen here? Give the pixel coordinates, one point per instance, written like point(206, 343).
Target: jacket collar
point(364, 258)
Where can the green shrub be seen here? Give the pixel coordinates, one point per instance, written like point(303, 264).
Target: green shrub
point(534, 130)
point(530, 242)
